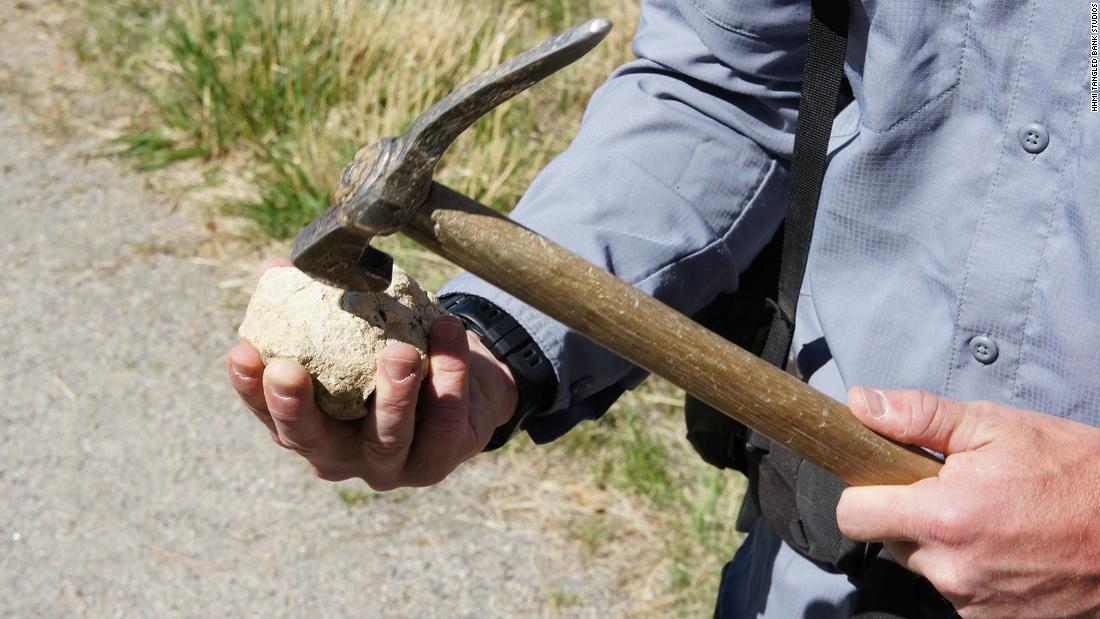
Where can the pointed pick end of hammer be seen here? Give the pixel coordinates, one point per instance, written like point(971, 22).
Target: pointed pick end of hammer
point(599, 26)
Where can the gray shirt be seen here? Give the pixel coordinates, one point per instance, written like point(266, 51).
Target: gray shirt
point(957, 243)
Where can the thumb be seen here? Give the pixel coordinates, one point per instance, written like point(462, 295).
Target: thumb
point(922, 419)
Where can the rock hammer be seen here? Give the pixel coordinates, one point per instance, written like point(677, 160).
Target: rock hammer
point(388, 187)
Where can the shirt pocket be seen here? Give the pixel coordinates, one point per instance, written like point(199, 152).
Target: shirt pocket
point(914, 53)
point(761, 40)
point(756, 19)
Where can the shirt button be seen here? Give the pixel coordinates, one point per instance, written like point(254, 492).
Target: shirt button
point(1034, 138)
point(984, 349)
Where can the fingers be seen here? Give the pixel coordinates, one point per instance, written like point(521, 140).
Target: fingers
point(443, 431)
point(446, 397)
point(915, 529)
point(272, 263)
point(288, 393)
point(879, 513)
point(388, 432)
point(246, 369)
point(923, 419)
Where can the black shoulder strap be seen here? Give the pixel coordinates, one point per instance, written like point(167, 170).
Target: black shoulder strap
point(821, 82)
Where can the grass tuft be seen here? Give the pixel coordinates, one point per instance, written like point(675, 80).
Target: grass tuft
point(152, 149)
point(297, 87)
point(286, 197)
point(564, 599)
point(355, 497)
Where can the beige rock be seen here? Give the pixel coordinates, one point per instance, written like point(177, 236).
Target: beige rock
point(336, 334)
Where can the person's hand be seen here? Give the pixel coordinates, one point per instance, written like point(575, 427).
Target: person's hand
point(416, 431)
point(1010, 527)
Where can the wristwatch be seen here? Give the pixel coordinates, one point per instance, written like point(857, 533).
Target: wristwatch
point(536, 382)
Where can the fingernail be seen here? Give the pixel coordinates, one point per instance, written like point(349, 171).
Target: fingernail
point(447, 331)
point(286, 392)
point(398, 369)
point(241, 372)
point(283, 386)
point(877, 404)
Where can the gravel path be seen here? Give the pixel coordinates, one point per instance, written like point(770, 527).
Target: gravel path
point(132, 483)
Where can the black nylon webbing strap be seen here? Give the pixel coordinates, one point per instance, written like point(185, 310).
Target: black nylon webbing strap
point(816, 109)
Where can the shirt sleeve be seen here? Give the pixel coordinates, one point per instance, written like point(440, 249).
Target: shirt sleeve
point(676, 180)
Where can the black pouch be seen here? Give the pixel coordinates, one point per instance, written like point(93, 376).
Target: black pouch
point(798, 500)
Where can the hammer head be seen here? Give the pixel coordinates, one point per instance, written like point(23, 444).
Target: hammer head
point(382, 188)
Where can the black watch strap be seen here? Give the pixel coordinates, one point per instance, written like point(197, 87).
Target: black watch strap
point(509, 342)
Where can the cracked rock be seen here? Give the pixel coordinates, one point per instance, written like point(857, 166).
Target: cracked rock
point(336, 334)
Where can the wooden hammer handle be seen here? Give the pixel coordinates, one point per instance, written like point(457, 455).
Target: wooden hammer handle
point(656, 337)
